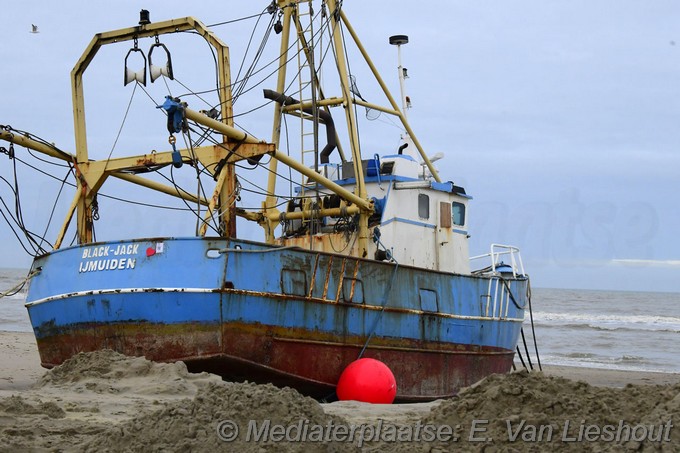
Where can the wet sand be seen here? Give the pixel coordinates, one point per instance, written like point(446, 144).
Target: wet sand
point(20, 363)
point(108, 402)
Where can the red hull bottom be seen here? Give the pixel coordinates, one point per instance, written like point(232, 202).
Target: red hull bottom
point(283, 357)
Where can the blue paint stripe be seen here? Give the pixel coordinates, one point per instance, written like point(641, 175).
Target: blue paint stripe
point(410, 222)
point(161, 307)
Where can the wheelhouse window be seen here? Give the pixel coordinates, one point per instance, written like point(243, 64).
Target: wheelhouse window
point(458, 213)
point(423, 206)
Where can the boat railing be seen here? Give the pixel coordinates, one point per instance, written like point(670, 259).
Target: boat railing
point(497, 253)
point(496, 302)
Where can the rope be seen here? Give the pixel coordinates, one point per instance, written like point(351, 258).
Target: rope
point(521, 359)
point(12, 291)
point(533, 332)
point(526, 349)
point(512, 298)
point(376, 239)
point(382, 310)
point(332, 395)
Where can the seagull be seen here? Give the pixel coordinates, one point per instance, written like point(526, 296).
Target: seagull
point(34, 29)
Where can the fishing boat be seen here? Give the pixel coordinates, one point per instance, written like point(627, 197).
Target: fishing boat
point(367, 254)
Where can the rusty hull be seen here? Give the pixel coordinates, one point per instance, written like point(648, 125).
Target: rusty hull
point(284, 357)
point(291, 317)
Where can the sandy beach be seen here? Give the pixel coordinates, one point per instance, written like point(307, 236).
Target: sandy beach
point(108, 402)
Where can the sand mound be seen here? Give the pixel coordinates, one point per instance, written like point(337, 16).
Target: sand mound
point(108, 371)
point(193, 425)
point(88, 394)
point(104, 401)
point(533, 412)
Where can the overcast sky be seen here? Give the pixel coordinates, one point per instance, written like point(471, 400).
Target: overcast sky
point(559, 118)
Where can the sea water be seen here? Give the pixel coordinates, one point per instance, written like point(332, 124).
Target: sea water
point(13, 314)
point(607, 329)
point(574, 327)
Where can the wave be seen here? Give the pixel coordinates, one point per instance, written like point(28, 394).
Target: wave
point(608, 322)
point(631, 359)
point(580, 355)
point(609, 328)
point(624, 362)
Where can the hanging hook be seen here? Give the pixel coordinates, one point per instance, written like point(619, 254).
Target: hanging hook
point(278, 27)
point(176, 156)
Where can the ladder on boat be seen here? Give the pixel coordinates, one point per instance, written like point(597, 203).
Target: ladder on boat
point(307, 88)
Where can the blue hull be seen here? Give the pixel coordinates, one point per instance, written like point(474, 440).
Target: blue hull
point(290, 316)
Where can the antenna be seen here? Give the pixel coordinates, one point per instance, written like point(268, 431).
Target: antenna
point(425, 173)
point(399, 40)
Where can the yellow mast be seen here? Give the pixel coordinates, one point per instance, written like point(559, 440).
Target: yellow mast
point(269, 205)
point(92, 174)
point(89, 180)
point(360, 189)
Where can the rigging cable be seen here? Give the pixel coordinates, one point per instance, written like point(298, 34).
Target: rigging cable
point(238, 81)
point(243, 90)
point(122, 124)
point(199, 186)
point(349, 73)
point(266, 11)
point(256, 59)
point(276, 70)
point(236, 153)
point(18, 219)
point(122, 200)
point(65, 156)
point(33, 238)
point(15, 233)
point(212, 50)
point(56, 200)
point(179, 190)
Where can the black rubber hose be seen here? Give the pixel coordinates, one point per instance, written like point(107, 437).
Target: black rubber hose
point(324, 116)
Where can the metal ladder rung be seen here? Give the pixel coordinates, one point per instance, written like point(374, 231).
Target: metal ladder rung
point(305, 82)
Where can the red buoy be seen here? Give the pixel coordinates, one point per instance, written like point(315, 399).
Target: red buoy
point(367, 380)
